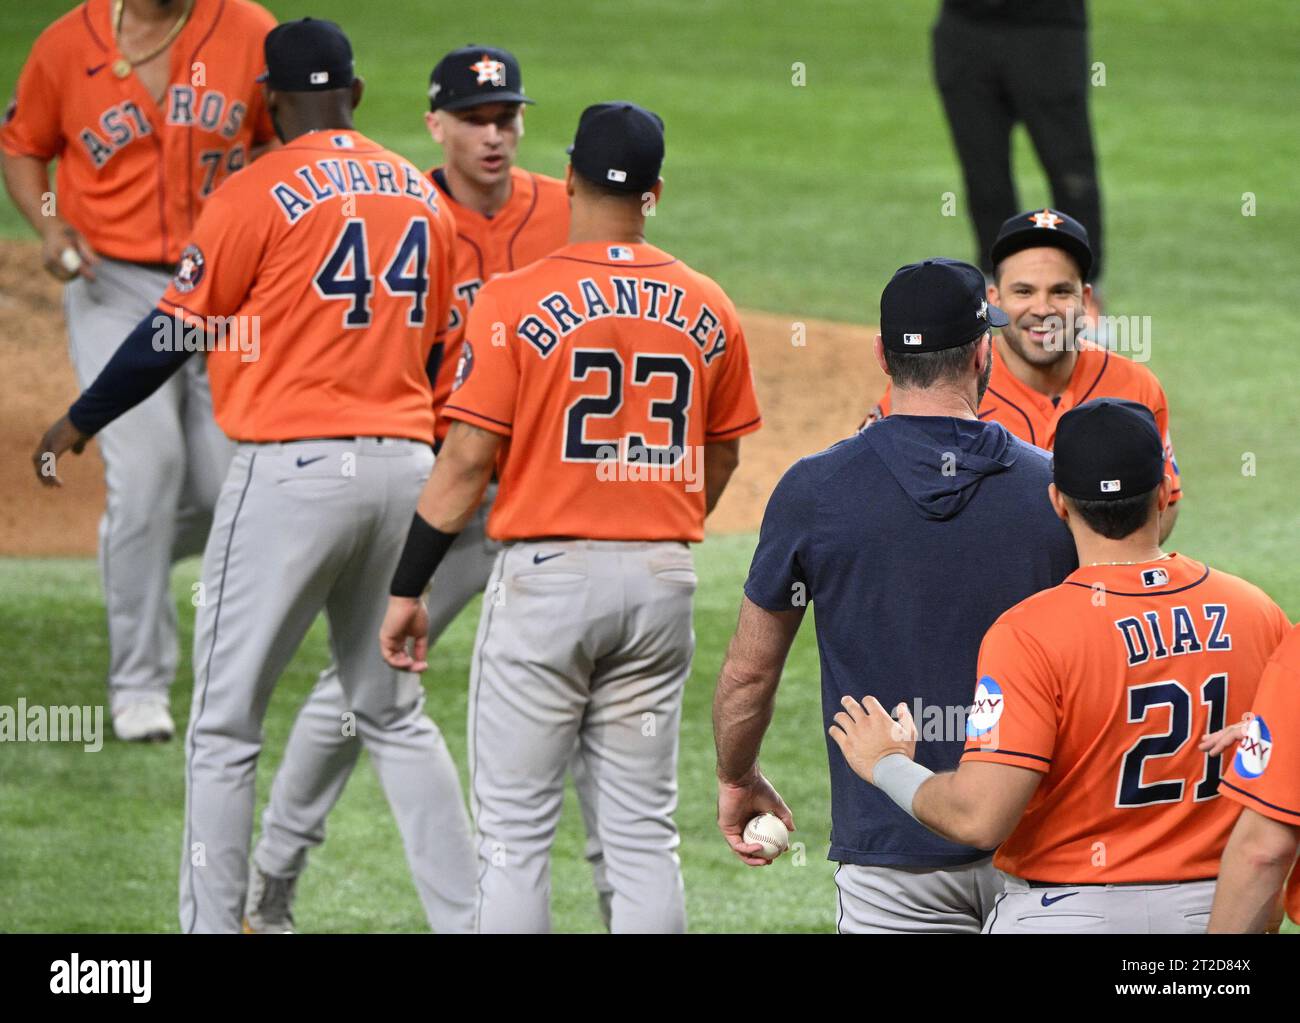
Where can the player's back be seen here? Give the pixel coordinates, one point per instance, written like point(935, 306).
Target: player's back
point(610, 367)
point(340, 253)
point(1135, 663)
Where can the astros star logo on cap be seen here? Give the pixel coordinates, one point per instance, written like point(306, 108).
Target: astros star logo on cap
point(1046, 219)
point(489, 70)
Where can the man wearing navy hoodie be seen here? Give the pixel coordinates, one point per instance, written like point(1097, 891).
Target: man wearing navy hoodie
point(910, 541)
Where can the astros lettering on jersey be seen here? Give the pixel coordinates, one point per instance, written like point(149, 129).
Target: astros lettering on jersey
point(533, 223)
point(1265, 771)
point(599, 357)
point(1032, 416)
point(343, 252)
point(1104, 685)
point(132, 173)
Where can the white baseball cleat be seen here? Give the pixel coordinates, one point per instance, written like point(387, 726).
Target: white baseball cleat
point(269, 908)
point(144, 721)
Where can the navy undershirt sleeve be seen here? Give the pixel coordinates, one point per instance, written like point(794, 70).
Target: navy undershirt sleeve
point(135, 371)
point(777, 576)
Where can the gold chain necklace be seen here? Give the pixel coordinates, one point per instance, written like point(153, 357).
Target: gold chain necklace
point(123, 65)
point(1104, 564)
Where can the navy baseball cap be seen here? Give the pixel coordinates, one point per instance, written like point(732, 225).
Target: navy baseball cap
point(936, 304)
point(1044, 228)
point(1107, 449)
point(619, 145)
point(474, 75)
point(311, 55)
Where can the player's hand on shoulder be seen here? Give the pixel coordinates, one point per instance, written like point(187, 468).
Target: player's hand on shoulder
point(1225, 738)
point(404, 636)
point(738, 803)
point(65, 254)
point(58, 439)
point(865, 733)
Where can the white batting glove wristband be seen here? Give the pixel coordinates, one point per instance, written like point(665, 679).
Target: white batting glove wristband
point(899, 777)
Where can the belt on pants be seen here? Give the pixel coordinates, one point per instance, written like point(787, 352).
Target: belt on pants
point(1112, 884)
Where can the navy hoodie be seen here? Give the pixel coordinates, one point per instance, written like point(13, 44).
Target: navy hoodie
point(910, 539)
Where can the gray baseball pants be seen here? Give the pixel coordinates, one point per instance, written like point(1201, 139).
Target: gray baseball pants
point(300, 528)
point(583, 644)
point(163, 466)
point(1174, 908)
point(322, 752)
point(916, 900)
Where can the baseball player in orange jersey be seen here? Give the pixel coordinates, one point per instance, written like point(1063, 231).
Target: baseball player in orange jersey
point(506, 218)
point(1265, 780)
point(1042, 368)
point(147, 106)
point(342, 252)
point(1080, 759)
point(612, 383)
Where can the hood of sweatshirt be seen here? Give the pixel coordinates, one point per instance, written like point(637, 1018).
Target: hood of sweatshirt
point(940, 461)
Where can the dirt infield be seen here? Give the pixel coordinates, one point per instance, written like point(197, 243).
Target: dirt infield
point(812, 393)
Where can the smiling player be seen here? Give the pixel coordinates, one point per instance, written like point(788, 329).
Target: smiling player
point(1042, 368)
point(1080, 763)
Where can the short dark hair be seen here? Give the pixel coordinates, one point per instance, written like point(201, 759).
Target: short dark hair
point(1117, 519)
point(925, 369)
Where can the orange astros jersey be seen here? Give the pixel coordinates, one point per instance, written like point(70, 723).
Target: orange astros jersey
point(338, 254)
point(133, 173)
point(1265, 771)
point(1032, 417)
point(607, 368)
point(1105, 685)
point(533, 223)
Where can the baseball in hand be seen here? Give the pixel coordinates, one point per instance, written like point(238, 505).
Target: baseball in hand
point(768, 831)
point(71, 260)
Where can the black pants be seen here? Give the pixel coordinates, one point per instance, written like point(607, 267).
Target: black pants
point(990, 78)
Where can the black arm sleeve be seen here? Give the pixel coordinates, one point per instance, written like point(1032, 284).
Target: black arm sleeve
point(135, 371)
point(425, 548)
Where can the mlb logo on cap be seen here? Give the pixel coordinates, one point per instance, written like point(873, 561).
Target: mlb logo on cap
point(912, 339)
point(1110, 486)
point(616, 175)
point(1154, 577)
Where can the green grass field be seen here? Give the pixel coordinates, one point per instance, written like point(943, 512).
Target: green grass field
point(799, 200)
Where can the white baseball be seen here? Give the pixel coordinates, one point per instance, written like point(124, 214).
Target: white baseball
point(71, 260)
point(768, 831)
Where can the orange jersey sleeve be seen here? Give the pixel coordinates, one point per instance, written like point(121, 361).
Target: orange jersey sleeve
point(487, 380)
point(134, 169)
point(1016, 711)
point(1108, 682)
point(608, 368)
point(533, 223)
point(321, 276)
point(732, 403)
point(1265, 771)
point(32, 122)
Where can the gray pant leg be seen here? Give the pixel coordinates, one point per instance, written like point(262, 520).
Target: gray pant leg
point(267, 571)
point(146, 461)
point(408, 752)
point(915, 900)
point(321, 752)
point(585, 787)
point(1102, 909)
point(528, 692)
point(629, 738)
